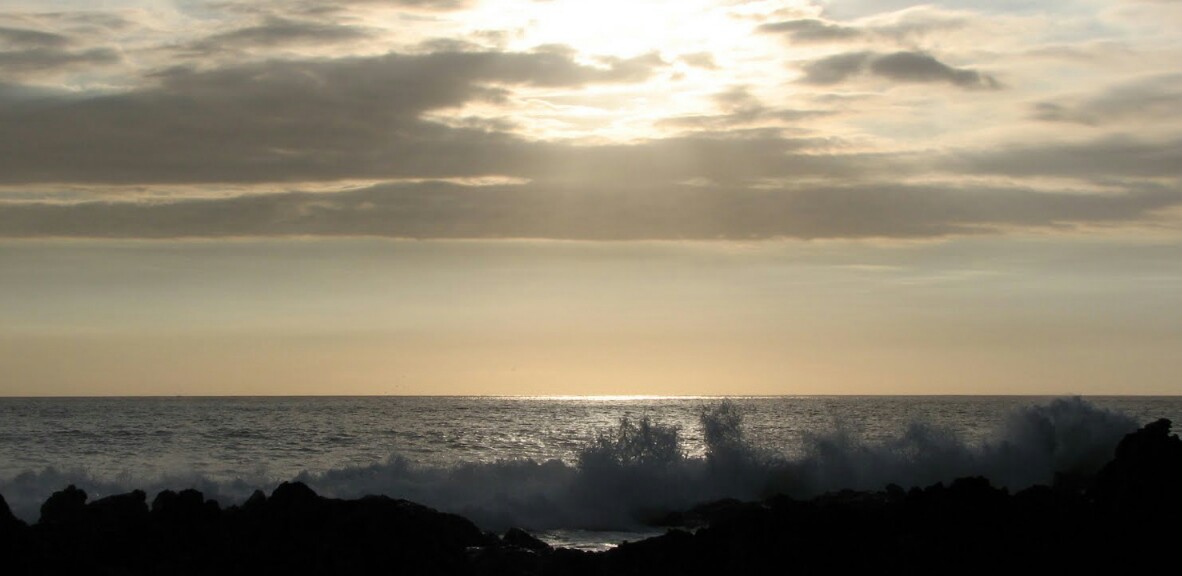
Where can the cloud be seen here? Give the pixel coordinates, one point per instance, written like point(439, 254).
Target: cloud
point(1106, 159)
point(704, 60)
point(22, 37)
point(836, 68)
point(909, 67)
point(74, 21)
point(288, 120)
point(442, 113)
point(332, 7)
point(627, 211)
point(904, 26)
point(811, 30)
point(740, 108)
point(1150, 100)
point(42, 61)
point(29, 52)
point(19, 93)
point(279, 32)
point(420, 4)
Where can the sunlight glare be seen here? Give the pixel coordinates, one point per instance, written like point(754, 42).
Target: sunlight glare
point(620, 28)
point(705, 46)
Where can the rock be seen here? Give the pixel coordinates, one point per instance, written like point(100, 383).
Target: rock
point(293, 495)
point(119, 512)
point(256, 501)
point(1145, 477)
point(669, 553)
point(64, 507)
point(522, 539)
point(298, 531)
point(187, 508)
point(15, 551)
point(704, 514)
point(8, 521)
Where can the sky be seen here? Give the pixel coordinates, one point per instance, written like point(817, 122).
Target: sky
point(590, 197)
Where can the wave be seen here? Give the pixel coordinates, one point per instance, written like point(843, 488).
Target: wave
point(639, 470)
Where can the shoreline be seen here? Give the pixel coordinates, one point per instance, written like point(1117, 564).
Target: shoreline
point(1121, 517)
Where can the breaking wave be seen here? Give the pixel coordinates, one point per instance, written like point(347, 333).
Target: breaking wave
point(639, 470)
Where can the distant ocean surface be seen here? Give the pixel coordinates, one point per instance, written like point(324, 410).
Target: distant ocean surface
point(564, 467)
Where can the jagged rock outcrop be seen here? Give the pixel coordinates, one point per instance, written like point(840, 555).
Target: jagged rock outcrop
point(8, 522)
point(1145, 477)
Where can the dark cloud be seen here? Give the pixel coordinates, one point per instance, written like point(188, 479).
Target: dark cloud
point(333, 7)
point(23, 95)
point(288, 120)
point(420, 4)
point(627, 211)
point(836, 68)
point(911, 27)
point(737, 98)
point(448, 45)
point(40, 61)
point(1052, 112)
point(1147, 100)
point(59, 30)
point(84, 21)
point(44, 49)
point(281, 31)
point(914, 67)
point(810, 30)
point(31, 38)
point(1107, 159)
point(704, 60)
point(919, 67)
point(26, 52)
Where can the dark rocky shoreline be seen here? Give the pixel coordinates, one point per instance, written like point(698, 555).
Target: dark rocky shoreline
point(1125, 517)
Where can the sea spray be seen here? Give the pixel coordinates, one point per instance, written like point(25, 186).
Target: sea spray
point(637, 471)
point(633, 472)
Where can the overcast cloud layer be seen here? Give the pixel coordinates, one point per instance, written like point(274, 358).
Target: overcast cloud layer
point(456, 119)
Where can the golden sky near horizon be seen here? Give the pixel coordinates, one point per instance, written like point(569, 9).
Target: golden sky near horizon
point(575, 197)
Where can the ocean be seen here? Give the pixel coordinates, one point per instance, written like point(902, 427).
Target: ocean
point(577, 471)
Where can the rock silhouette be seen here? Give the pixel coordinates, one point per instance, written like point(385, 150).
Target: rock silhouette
point(8, 522)
point(1145, 477)
point(1120, 520)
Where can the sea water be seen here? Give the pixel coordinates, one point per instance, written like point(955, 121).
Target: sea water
point(583, 471)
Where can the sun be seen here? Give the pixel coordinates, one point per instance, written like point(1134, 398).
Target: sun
point(621, 28)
